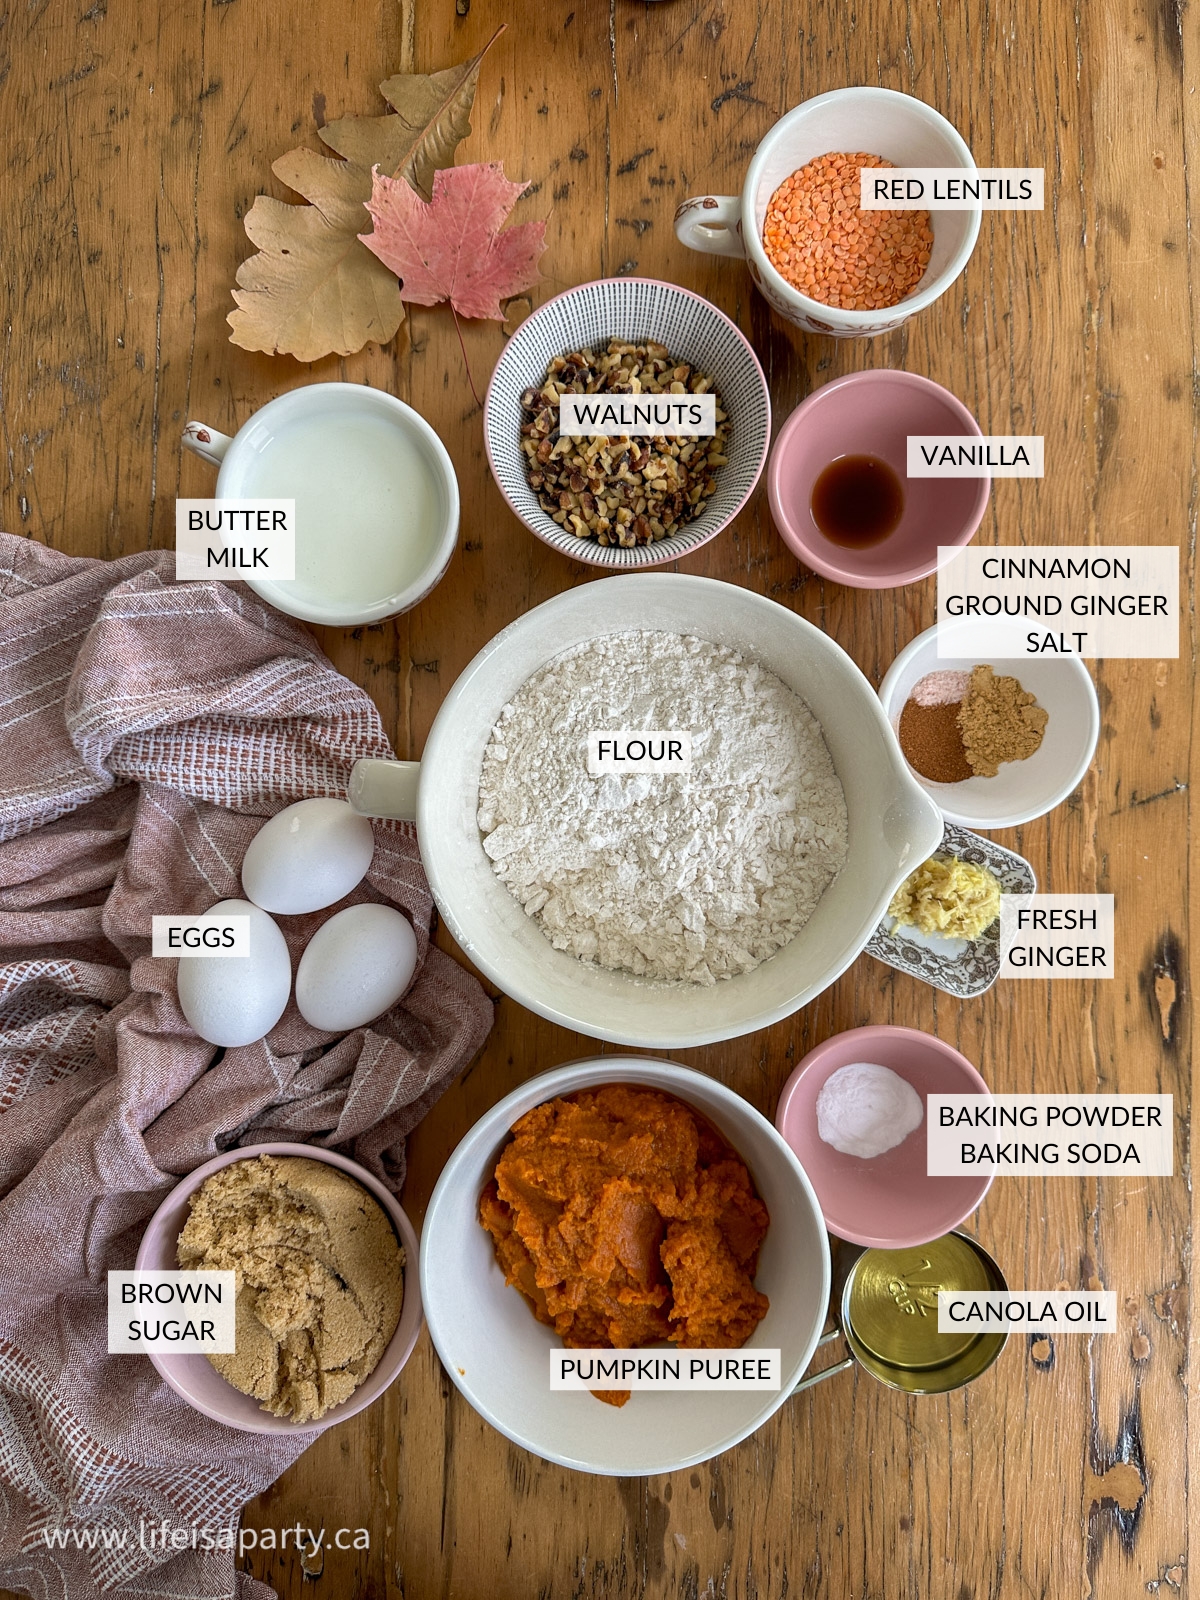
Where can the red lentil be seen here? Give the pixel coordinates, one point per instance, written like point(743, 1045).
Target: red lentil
point(818, 237)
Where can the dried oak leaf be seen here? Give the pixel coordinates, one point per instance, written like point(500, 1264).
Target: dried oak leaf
point(312, 290)
point(451, 247)
point(431, 116)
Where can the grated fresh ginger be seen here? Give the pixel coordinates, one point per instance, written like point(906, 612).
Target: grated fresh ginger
point(948, 896)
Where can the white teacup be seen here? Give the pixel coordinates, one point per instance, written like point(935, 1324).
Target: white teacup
point(904, 131)
point(376, 498)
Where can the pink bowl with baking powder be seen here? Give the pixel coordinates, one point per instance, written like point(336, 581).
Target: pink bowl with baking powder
point(873, 413)
point(888, 1202)
point(198, 1381)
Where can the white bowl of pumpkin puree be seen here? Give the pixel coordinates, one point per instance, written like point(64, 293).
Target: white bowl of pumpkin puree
point(623, 1203)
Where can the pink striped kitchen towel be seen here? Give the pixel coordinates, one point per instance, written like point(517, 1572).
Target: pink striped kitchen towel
point(146, 730)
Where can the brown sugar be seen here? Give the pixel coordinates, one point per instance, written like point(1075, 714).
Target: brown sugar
point(932, 742)
point(624, 1218)
point(999, 721)
point(320, 1279)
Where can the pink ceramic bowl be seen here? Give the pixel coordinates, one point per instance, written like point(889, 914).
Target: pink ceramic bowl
point(873, 413)
point(198, 1381)
point(889, 1202)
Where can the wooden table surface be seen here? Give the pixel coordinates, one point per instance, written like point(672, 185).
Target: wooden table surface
point(136, 137)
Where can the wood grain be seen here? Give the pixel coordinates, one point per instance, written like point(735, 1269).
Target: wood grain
point(135, 144)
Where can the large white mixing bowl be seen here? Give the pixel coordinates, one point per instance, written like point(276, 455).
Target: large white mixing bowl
point(894, 825)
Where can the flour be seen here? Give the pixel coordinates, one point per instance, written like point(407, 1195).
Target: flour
point(670, 876)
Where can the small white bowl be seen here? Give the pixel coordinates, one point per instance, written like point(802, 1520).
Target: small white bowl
point(880, 122)
point(196, 1379)
point(635, 309)
point(1021, 790)
point(498, 1354)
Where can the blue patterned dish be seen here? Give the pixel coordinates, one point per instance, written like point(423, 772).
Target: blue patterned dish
point(636, 309)
point(962, 967)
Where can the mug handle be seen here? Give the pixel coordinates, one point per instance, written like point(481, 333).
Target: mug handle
point(206, 442)
point(384, 789)
point(711, 224)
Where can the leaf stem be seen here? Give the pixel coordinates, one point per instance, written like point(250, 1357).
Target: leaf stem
point(466, 363)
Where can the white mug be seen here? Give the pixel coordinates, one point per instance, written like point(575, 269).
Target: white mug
point(376, 498)
point(902, 130)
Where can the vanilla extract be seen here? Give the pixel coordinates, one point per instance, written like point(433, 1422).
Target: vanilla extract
point(857, 501)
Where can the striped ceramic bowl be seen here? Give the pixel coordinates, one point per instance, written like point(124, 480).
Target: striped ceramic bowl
point(636, 309)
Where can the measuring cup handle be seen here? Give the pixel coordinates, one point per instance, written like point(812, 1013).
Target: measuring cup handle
point(205, 442)
point(385, 789)
point(712, 224)
point(838, 1366)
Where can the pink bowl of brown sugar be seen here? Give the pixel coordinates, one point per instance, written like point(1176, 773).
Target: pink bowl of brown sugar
point(994, 742)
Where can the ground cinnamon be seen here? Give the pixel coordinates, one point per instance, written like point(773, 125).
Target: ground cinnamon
point(932, 742)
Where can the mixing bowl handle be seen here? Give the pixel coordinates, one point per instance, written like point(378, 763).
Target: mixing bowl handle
point(385, 789)
point(912, 826)
point(839, 1366)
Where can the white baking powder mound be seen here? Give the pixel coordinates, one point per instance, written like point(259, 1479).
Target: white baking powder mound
point(864, 1109)
point(672, 876)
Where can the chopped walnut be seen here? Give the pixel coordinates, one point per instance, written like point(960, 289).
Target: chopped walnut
point(618, 490)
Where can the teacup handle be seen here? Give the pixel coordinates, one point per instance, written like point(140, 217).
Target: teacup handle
point(712, 224)
point(385, 789)
point(206, 442)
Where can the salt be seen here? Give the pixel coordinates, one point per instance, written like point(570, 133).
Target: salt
point(944, 688)
point(864, 1110)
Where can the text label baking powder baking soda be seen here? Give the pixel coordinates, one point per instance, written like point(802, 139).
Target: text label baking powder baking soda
point(952, 189)
point(665, 1369)
point(1028, 1311)
point(235, 539)
point(1049, 1135)
point(172, 1313)
point(1007, 603)
point(1057, 936)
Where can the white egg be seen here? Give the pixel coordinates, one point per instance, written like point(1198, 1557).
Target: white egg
point(355, 967)
point(232, 1000)
point(307, 856)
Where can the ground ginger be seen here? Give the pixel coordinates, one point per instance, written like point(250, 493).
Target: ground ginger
point(999, 721)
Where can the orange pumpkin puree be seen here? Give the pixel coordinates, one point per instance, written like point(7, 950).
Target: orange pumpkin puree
point(624, 1218)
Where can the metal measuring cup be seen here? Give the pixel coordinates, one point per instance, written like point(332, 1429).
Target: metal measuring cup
point(888, 1315)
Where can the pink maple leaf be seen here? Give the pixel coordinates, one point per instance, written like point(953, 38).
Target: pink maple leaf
point(451, 247)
